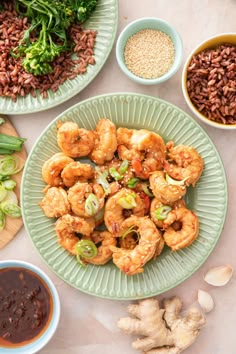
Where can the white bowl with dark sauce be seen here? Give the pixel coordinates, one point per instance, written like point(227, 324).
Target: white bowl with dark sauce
point(29, 308)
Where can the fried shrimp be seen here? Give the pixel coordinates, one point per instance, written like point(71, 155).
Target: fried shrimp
point(132, 261)
point(159, 211)
point(52, 168)
point(67, 227)
point(78, 198)
point(104, 253)
point(165, 192)
point(120, 206)
point(188, 232)
point(146, 150)
point(74, 141)
point(55, 202)
point(105, 143)
point(76, 172)
point(183, 163)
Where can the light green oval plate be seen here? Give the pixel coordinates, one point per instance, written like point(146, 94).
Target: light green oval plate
point(104, 20)
point(208, 199)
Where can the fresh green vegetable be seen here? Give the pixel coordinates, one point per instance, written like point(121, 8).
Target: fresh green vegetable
point(132, 183)
point(128, 202)
point(170, 180)
point(115, 174)
point(123, 167)
point(130, 230)
point(85, 9)
point(50, 20)
point(162, 212)
point(91, 204)
point(9, 144)
point(10, 209)
point(3, 192)
point(146, 189)
point(9, 184)
point(9, 165)
point(102, 180)
point(85, 249)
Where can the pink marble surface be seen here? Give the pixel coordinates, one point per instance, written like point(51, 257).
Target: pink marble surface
point(88, 324)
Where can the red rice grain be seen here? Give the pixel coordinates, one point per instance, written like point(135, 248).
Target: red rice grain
point(211, 83)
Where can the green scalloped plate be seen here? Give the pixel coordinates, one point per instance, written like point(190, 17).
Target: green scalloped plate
point(208, 199)
point(104, 20)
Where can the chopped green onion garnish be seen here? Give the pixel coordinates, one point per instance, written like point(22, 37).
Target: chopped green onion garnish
point(132, 183)
point(86, 249)
point(9, 142)
point(91, 204)
point(128, 202)
point(146, 189)
point(130, 230)
point(9, 165)
point(102, 180)
point(9, 184)
point(115, 174)
point(100, 215)
point(2, 220)
point(11, 197)
point(170, 180)
point(11, 209)
point(162, 212)
point(3, 192)
point(123, 167)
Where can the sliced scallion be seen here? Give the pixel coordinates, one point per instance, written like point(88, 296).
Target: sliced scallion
point(132, 183)
point(128, 202)
point(9, 184)
point(86, 249)
point(162, 212)
point(102, 180)
point(170, 180)
point(91, 204)
point(9, 165)
point(3, 192)
point(123, 167)
point(10, 209)
point(146, 189)
point(115, 174)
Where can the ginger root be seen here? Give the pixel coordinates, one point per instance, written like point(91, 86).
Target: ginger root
point(165, 331)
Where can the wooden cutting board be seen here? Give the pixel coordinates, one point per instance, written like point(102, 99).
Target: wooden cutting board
point(13, 225)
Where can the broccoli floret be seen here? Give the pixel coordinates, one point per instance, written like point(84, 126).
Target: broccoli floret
point(85, 8)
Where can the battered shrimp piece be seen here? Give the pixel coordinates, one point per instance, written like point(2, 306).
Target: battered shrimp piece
point(74, 141)
point(145, 149)
point(76, 172)
point(55, 203)
point(127, 149)
point(132, 261)
point(115, 214)
point(52, 168)
point(184, 163)
point(104, 253)
point(78, 194)
point(165, 192)
point(105, 143)
point(156, 204)
point(128, 242)
point(188, 231)
point(67, 226)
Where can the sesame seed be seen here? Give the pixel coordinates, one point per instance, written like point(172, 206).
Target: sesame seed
point(149, 53)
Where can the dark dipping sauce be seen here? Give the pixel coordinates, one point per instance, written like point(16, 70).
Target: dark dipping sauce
point(25, 306)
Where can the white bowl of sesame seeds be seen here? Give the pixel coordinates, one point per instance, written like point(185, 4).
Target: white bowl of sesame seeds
point(149, 50)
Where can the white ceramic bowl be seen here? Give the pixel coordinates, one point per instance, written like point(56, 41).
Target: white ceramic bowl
point(37, 344)
point(154, 24)
point(209, 43)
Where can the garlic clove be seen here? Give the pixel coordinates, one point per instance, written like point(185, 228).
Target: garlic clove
point(205, 300)
point(219, 276)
